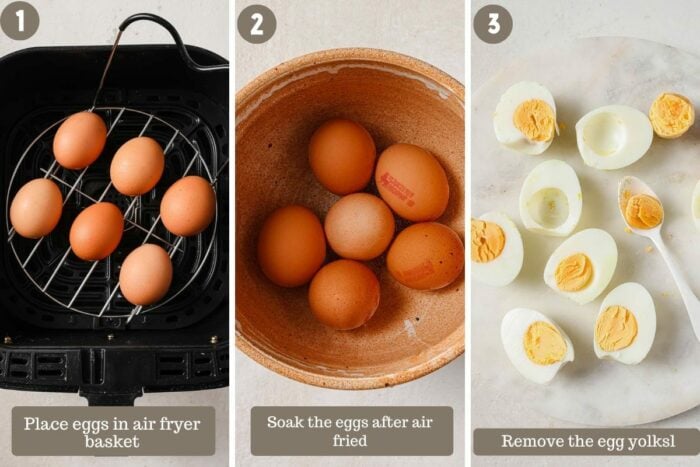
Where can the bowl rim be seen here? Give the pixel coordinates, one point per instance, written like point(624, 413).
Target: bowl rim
point(324, 57)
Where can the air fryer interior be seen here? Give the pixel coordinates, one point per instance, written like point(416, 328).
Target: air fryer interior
point(41, 86)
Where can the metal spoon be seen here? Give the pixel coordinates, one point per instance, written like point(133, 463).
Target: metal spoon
point(630, 186)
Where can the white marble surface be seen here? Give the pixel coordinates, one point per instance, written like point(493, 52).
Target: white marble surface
point(542, 24)
point(584, 75)
point(415, 28)
point(78, 22)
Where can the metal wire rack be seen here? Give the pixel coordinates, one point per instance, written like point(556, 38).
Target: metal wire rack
point(43, 265)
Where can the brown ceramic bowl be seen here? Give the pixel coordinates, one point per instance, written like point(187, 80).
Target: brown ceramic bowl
point(398, 99)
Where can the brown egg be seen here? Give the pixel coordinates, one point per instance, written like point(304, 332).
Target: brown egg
point(342, 155)
point(344, 294)
point(97, 231)
point(79, 140)
point(36, 208)
point(412, 182)
point(291, 246)
point(137, 166)
point(188, 207)
point(426, 256)
point(359, 226)
point(146, 275)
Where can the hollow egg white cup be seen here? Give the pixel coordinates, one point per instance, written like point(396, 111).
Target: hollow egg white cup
point(551, 199)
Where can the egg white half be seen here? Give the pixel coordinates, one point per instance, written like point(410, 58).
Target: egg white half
point(506, 132)
point(695, 205)
point(600, 248)
point(505, 268)
point(513, 328)
point(551, 199)
point(613, 136)
point(638, 301)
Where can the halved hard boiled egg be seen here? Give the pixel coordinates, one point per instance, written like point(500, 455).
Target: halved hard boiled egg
point(695, 205)
point(535, 345)
point(671, 115)
point(582, 266)
point(497, 249)
point(626, 324)
point(551, 200)
point(526, 118)
point(613, 136)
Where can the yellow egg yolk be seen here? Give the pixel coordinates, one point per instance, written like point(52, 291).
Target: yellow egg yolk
point(488, 241)
point(574, 273)
point(615, 329)
point(671, 115)
point(644, 212)
point(535, 119)
point(544, 343)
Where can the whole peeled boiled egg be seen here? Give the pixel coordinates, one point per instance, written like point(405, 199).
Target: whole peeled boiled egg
point(359, 226)
point(426, 256)
point(496, 249)
point(36, 208)
point(291, 246)
point(412, 182)
point(536, 346)
point(344, 294)
point(145, 275)
point(613, 136)
point(97, 231)
point(526, 118)
point(626, 324)
point(188, 206)
point(137, 166)
point(551, 200)
point(582, 266)
point(342, 156)
point(79, 140)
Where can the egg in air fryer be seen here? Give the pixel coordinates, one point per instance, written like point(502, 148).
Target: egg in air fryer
point(79, 140)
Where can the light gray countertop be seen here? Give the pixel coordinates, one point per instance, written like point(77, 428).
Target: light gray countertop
point(77, 22)
point(415, 28)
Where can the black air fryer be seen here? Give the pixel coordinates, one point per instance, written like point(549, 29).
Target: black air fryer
point(64, 325)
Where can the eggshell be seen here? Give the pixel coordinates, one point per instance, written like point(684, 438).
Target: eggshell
point(97, 231)
point(426, 256)
point(291, 246)
point(79, 140)
point(412, 182)
point(36, 208)
point(137, 166)
point(359, 226)
point(188, 207)
point(342, 155)
point(145, 275)
point(344, 294)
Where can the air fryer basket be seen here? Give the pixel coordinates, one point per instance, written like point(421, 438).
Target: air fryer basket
point(179, 345)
